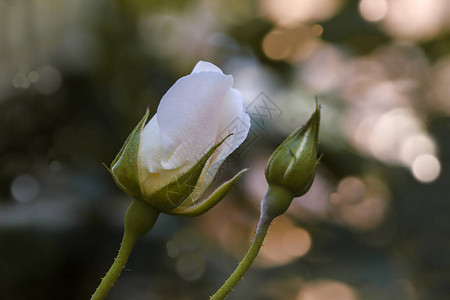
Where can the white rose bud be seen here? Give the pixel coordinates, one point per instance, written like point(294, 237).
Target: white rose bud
point(170, 161)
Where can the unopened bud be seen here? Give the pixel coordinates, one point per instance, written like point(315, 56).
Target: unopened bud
point(292, 167)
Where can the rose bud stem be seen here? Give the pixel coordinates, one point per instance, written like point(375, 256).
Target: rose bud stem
point(290, 172)
point(139, 220)
point(265, 219)
point(247, 261)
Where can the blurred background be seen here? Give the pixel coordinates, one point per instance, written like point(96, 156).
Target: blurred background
point(77, 75)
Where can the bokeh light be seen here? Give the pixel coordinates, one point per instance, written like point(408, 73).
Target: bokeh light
point(360, 203)
point(373, 10)
point(49, 79)
point(416, 145)
point(190, 267)
point(325, 290)
point(426, 168)
point(276, 45)
point(325, 69)
point(351, 190)
point(292, 44)
point(416, 19)
point(291, 12)
point(390, 132)
point(25, 188)
point(285, 243)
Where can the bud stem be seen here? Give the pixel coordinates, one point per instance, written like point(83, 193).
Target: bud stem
point(139, 220)
point(275, 202)
point(247, 261)
point(115, 270)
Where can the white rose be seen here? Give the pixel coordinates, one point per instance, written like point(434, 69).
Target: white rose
point(195, 114)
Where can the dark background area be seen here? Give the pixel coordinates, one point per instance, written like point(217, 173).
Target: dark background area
point(76, 76)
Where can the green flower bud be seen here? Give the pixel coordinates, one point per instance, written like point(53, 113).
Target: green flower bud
point(293, 165)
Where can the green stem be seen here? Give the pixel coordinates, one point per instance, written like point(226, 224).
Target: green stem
point(244, 265)
point(108, 281)
point(275, 202)
point(139, 220)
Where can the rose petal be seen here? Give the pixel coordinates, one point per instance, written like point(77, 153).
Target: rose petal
point(204, 66)
point(152, 174)
point(188, 117)
point(151, 149)
point(234, 119)
point(154, 181)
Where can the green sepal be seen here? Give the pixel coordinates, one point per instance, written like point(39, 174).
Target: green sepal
point(124, 167)
point(203, 206)
point(171, 195)
point(115, 179)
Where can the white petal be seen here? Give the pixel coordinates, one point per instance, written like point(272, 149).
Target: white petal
point(151, 172)
point(188, 117)
point(204, 66)
point(150, 151)
point(155, 181)
point(234, 119)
